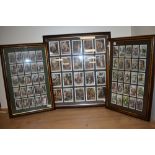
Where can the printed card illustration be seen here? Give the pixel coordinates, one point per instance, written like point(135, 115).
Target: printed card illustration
point(65, 47)
point(100, 45)
point(54, 48)
point(79, 94)
point(76, 47)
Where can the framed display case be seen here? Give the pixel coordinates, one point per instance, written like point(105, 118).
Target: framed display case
point(79, 68)
point(27, 81)
point(131, 75)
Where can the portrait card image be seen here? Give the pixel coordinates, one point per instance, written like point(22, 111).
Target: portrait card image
point(12, 58)
point(37, 89)
point(120, 76)
point(119, 100)
point(68, 94)
point(89, 78)
point(67, 64)
point(101, 92)
point(76, 47)
point(121, 51)
point(25, 56)
point(56, 79)
point(79, 94)
point(125, 101)
point(134, 64)
point(31, 102)
point(126, 89)
point(133, 77)
point(32, 56)
point(40, 66)
point(43, 89)
point(128, 64)
point(141, 78)
point(115, 51)
point(39, 56)
point(100, 45)
point(139, 105)
point(65, 47)
point(18, 104)
point(78, 62)
point(113, 98)
point(120, 88)
point(28, 79)
point(35, 78)
point(21, 80)
point(15, 81)
point(88, 46)
point(78, 78)
point(121, 64)
point(13, 69)
point(89, 62)
point(38, 101)
point(55, 64)
point(67, 79)
point(19, 57)
point(27, 68)
point(142, 65)
point(114, 87)
point(135, 51)
point(132, 103)
point(100, 62)
point(140, 91)
point(143, 51)
point(44, 100)
point(17, 92)
point(101, 77)
point(114, 75)
point(58, 96)
point(54, 48)
point(133, 90)
point(20, 68)
point(128, 51)
point(127, 77)
point(34, 67)
point(23, 91)
point(30, 90)
point(115, 63)
point(90, 94)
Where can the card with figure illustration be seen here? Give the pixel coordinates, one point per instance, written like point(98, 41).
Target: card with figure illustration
point(125, 101)
point(88, 46)
point(55, 64)
point(44, 100)
point(37, 90)
point(19, 57)
point(114, 87)
point(78, 78)
point(79, 94)
point(23, 91)
point(35, 78)
point(13, 69)
point(31, 102)
point(41, 78)
point(40, 66)
point(128, 51)
point(58, 96)
point(15, 81)
point(65, 47)
point(18, 104)
point(89, 78)
point(115, 51)
point(135, 51)
point(133, 90)
point(39, 56)
point(114, 75)
point(142, 65)
point(140, 91)
point(30, 90)
point(132, 103)
point(143, 51)
point(38, 101)
point(76, 47)
point(100, 45)
point(54, 48)
point(89, 62)
point(20, 68)
point(126, 89)
point(101, 77)
point(121, 51)
point(66, 64)
point(34, 67)
point(101, 92)
point(127, 77)
point(128, 64)
point(25, 55)
point(133, 77)
point(113, 98)
point(120, 76)
point(28, 79)
point(100, 62)
point(141, 78)
point(68, 94)
point(115, 63)
point(67, 79)
point(56, 79)
point(17, 93)
point(134, 64)
point(32, 56)
point(120, 88)
point(12, 58)
point(27, 68)
point(90, 94)
point(121, 64)
point(78, 63)
point(43, 89)
point(139, 105)
point(21, 80)
point(119, 100)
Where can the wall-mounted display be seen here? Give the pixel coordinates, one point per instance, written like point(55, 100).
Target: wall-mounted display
point(27, 79)
point(131, 76)
point(78, 68)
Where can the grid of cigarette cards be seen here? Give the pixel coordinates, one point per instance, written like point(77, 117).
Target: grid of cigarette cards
point(78, 70)
point(28, 79)
point(128, 76)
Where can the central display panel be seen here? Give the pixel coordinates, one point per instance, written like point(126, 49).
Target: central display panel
point(78, 68)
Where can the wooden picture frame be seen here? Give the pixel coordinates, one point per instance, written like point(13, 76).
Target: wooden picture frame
point(89, 47)
point(131, 87)
point(26, 76)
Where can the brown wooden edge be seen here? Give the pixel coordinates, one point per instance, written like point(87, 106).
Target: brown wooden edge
point(47, 38)
point(5, 77)
point(151, 70)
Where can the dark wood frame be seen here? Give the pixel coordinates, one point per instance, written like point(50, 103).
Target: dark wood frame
point(48, 38)
point(26, 45)
point(145, 115)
